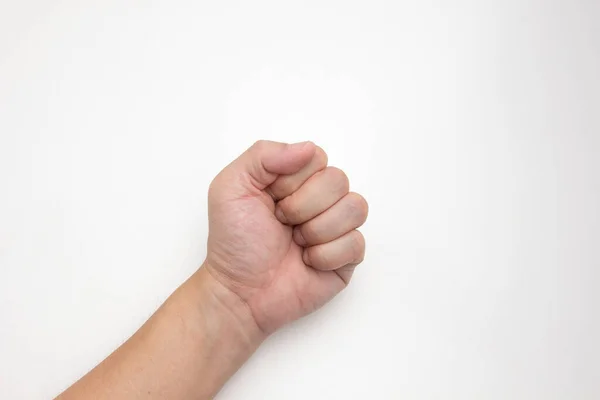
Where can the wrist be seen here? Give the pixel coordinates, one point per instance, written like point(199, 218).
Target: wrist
point(225, 310)
point(215, 327)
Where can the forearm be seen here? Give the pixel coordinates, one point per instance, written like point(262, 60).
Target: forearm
point(187, 350)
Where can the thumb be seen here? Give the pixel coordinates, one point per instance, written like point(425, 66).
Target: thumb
point(266, 160)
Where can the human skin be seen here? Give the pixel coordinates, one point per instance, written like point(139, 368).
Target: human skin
point(282, 242)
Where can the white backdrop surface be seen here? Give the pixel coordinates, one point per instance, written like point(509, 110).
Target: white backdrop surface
point(472, 127)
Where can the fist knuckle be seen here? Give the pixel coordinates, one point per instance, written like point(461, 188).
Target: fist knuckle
point(358, 208)
point(339, 179)
point(358, 246)
point(320, 158)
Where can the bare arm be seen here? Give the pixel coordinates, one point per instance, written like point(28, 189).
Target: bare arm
point(187, 350)
point(282, 242)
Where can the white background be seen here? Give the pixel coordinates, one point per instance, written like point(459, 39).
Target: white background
point(472, 127)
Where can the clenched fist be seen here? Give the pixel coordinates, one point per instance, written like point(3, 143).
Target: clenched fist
point(283, 231)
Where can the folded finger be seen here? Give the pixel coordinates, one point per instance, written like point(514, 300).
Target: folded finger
point(348, 249)
point(285, 185)
point(344, 216)
point(317, 194)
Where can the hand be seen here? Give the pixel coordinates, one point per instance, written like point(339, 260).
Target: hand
point(283, 232)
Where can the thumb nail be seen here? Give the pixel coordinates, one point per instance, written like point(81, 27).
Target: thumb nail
point(301, 145)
